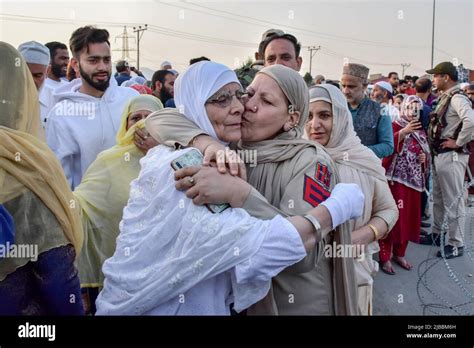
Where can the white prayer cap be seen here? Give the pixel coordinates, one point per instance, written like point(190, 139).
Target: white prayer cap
point(385, 85)
point(34, 53)
point(464, 85)
point(165, 63)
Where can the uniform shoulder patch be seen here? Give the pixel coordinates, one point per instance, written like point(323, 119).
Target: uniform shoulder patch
point(323, 175)
point(314, 193)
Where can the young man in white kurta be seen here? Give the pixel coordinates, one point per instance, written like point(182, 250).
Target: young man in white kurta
point(86, 116)
point(80, 126)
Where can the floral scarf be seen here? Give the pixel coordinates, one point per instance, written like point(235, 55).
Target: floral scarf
point(405, 168)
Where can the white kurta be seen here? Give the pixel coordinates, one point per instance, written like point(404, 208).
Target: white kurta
point(80, 126)
point(46, 96)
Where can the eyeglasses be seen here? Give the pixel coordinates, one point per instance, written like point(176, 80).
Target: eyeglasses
point(224, 99)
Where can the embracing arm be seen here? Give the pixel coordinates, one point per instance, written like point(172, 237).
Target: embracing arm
point(172, 128)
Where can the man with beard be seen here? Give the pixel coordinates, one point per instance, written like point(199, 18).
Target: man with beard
point(373, 127)
point(382, 94)
point(86, 117)
point(162, 84)
point(394, 81)
point(56, 76)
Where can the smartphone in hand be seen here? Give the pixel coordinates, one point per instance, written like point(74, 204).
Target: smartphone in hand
point(194, 158)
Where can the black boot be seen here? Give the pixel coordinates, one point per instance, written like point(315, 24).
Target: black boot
point(431, 239)
point(451, 252)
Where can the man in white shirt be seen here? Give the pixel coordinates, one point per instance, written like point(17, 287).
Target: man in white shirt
point(56, 76)
point(86, 116)
point(382, 93)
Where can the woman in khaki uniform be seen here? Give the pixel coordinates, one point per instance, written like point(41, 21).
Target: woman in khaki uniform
point(292, 175)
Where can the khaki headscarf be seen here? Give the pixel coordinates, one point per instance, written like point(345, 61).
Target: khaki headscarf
point(286, 146)
point(27, 165)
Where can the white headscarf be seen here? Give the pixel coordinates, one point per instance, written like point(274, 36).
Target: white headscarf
point(197, 84)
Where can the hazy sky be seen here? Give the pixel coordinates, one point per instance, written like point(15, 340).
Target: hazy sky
point(380, 34)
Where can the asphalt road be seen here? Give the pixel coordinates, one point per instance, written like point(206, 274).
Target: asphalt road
point(434, 286)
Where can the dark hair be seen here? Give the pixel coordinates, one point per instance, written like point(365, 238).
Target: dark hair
point(423, 85)
point(121, 68)
point(159, 75)
point(471, 87)
point(82, 37)
point(53, 46)
point(196, 60)
point(392, 73)
point(401, 82)
point(334, 83)
point(454, 76)
point(289, 37)
point(414, 78)
point(407, 78)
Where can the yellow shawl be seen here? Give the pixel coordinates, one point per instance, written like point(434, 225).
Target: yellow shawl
point(104, 191)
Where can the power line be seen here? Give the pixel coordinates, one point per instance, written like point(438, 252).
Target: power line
point(125, 48)
point(184, 35)
point(311, 54)
point(304, 31)
point(404, 65)
point(140, 31)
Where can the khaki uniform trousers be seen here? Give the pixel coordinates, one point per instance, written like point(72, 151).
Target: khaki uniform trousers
point(448, 178)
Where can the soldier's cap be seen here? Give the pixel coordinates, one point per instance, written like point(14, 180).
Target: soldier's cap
point(272, 34)
point(447, 68)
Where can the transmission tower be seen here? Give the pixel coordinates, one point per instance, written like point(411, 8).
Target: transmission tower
point(125, 36)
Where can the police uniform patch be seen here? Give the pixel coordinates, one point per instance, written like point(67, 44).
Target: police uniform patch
point(314, 193)
point(323, 175)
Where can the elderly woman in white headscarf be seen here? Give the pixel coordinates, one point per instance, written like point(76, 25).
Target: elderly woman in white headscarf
point(290, 176)
point(174, 257)
point(330, 124)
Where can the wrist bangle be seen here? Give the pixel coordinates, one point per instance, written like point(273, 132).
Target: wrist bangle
point(376, 232)
point(316, 225)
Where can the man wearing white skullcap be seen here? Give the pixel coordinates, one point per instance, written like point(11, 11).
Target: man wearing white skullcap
point(37, 58)
point(382, 93)
point(166, 65)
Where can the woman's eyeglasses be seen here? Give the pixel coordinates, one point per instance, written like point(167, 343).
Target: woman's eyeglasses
point(224, 99)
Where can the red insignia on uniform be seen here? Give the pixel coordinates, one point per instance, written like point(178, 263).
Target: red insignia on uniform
point(314, 192)
point(323, 175)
